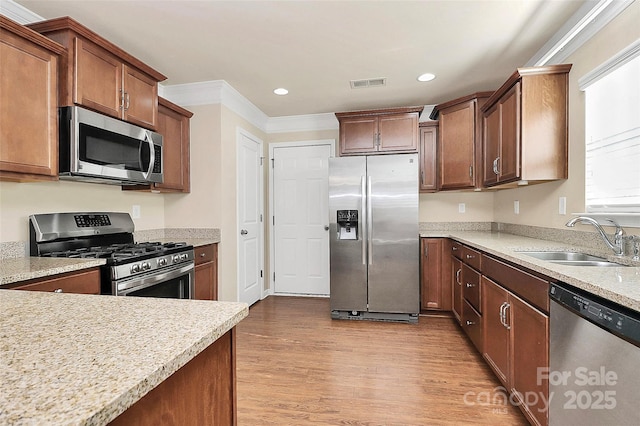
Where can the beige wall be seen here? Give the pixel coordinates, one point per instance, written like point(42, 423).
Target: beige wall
point(443, 207)
point(19, 200)
point(539, 203)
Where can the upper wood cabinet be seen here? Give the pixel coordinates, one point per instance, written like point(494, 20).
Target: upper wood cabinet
point(525, 128)
point(379, 131)
point(173, 125)
point(99, 75)
point(28, 104)
point(428, 156)
point(460, 145)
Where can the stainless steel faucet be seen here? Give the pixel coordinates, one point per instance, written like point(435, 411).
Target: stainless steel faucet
point(618, 237)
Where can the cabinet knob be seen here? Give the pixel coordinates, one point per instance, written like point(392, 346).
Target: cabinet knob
point(470, 285)
point(469, 322)
point(58, 290)
point(454, 248)
point(469, 256)
point(202, 255)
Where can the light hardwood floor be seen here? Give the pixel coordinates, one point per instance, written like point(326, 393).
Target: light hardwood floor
point(296, 366)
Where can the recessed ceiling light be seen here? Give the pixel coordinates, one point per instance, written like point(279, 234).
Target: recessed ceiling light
point(426, 77)
point(280, 91)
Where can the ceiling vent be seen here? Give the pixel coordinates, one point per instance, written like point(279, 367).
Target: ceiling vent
point(371, 82)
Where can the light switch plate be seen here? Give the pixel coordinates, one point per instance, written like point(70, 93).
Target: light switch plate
point(516, 207)
point(462, 208)
point(135, 211)
point(562, 205)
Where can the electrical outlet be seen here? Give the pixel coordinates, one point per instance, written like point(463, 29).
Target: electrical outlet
point(462, 208)
point(135, 211)
point(516, 207)
point(562, 205)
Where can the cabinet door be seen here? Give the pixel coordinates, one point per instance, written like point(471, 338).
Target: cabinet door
point(98, 81)
point(529, 353)
point(509, 159)
point(457, 138)
point(140, 98)
point(456, 283)
point(174, 129)
point(496, 335)
point(206, 272)
point(491, 145)
point(471, 286)
point(472, 325)
point(428, 162)
point(358, 135)
point(398, 132)
point(432, 294)
point(28, 110)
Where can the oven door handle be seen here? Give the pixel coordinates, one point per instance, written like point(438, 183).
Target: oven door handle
point(140, 282)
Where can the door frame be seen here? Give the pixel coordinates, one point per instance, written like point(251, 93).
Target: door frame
point(272, 242)
point(242, 132)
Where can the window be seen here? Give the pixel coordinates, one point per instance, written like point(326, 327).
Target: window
point(612, 131)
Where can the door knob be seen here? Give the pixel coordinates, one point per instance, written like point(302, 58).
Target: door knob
point(244, 232)
point(326, 227)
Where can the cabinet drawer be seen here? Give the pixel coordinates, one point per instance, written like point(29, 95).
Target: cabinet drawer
point(531, 288)
point(472, 325)
point(471, 257)
point(471, 286)
point(457, 249)
point(204, 254)
point(82, 282)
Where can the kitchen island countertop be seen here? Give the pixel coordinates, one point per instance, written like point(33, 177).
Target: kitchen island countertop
point(617, 284)
point(84, 359)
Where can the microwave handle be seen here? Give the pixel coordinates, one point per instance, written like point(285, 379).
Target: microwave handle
point(152, 154)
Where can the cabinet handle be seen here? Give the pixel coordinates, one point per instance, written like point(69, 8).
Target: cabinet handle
point(202, 255)
point(507, 325)
point(503, 315)
point(128, 101)
point(469, 256)
point(471, 171)
point(121, 99)
point(58, 290)
point(458, 276)
point(469, 322)
point(422, 176)
point(454, 248)
point(496, 166)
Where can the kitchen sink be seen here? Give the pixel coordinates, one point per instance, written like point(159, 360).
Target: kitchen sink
point(570, 258)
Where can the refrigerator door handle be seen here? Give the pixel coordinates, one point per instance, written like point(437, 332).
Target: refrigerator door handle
point(369, 223)
point(363, 207)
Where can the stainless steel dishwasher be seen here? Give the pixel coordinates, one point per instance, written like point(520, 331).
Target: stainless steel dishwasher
point(594, 360)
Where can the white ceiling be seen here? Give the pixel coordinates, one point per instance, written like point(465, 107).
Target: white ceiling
point(314, 48)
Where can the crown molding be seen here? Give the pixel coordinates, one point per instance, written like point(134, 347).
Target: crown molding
point(215, 92)
point(578, 29)
point(18, 13)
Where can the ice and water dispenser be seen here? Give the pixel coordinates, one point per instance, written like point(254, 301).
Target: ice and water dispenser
point(347, 224)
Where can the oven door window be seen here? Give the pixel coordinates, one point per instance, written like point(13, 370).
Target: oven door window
point(105, 148)
point(177, 287)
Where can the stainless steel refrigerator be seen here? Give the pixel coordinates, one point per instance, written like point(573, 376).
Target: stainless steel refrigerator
point(374, 241)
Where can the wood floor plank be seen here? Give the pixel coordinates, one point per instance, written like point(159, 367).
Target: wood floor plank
point(297, 366)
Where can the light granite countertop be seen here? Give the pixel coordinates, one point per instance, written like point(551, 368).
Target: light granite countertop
point(84, 359)
point(618, 284)
point(27, 268)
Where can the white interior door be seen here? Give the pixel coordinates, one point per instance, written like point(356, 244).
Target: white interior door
point(250, 209)
point(300, 223)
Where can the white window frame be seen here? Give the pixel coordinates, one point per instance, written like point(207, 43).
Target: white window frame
point(628, 215)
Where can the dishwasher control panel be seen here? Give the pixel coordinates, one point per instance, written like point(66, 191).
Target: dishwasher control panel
point(606, 314)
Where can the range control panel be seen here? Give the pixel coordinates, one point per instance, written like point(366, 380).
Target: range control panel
point(92, 220)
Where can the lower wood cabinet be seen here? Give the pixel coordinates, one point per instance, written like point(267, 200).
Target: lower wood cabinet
point(435, 283)
point(516, 346)
point(202, 392)
point(456, 284)
point(206, 272)
point(85, 282)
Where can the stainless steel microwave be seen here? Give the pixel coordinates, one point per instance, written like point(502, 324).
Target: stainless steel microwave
point(96, 148)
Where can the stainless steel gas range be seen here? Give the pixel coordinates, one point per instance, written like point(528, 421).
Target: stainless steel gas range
point(151, 269)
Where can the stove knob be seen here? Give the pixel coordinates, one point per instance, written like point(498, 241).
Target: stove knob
point(135, 268)
point(146, 266)
point(162, 261)
point(183, 256)
point(176, 258)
